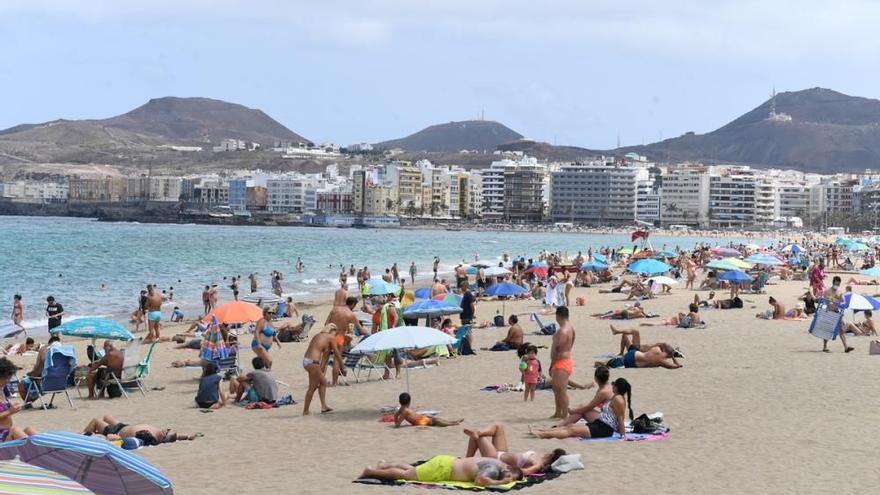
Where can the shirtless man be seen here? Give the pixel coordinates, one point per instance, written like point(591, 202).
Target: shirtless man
point(437, 288)
point(111, 363)
point(864, 328)
point(154, 313)
point(561, 364)
point(206, 300)
point(777, 311)
point(482, 471)
point(340, 295)
point(659, 355)
point(149, 434)
point(460, 276)
point(343, 315)
point(37, 370)
point(320, 348)
point(514, 337)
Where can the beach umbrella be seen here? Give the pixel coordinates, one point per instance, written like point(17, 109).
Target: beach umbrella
point(234, 312)
point(722, 265)
point(858, 302)
point(664, 254)
point(423, 293)
point(538, 270)
point(663, 280)
point(856, 246)
point(449, 298)
point(9, 329)
point(504, 289)
point(403, 338)
point(764, 259)
point(261, 298)
point(754, 247)
point(430, 308)
point(471, 270)
point(743, 265)
point(735, 276)
point(726, 251)
point(871, 272)
point(538, 263)
point(97, 464)
point(649, 267)
point(594, 266)
point(794, 248)
point(645, 253)
point(379, 287)
point(496, 271)
point(625, 250)
point(842, 241)
point(18, 478)
point(600, 258)
point(94, 328)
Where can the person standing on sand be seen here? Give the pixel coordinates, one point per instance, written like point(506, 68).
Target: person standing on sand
point(206, 300)
point(413, 271)
point(154, 314)
point(343, 315)
point(561, 364)
point(54, 311)
point(395, 273)
point(17, 310)
point(341, 294)
point(320, 348)
point(468, 304)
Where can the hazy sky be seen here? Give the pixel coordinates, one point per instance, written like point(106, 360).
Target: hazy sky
point(579, 72)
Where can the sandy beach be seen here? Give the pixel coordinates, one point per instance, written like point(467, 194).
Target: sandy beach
point(757, 408)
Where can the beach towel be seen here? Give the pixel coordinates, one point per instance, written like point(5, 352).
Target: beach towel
point(464, 485)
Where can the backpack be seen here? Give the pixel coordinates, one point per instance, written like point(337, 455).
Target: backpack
point(465, 349)
point(644, 424)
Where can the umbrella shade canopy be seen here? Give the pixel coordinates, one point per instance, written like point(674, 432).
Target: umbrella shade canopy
point(100, 466)
point(538, 263)
point(842, 241)
point(450, 299)
point(794, 248)
point(726, 251)
point(504, 289)
point(403, 338)
point(9, 329)
point(600, 258)
point(856, 246)
point(496, 271)
point(625, 250)
point(665, 254)
point(763, 259)
point(234, 312)
point(379, 287)
point(858, 302)
point(664, 280)
point(429, 308)
point(735, 276)
point(871, 272)
point(743, 265)
point(538, 270)
point(649, 267)
point(594, 266)
point(471, 270)
point(722, 265)
point(423, 293)
point(645, 253)
point(95, 328)
point(18, 478)
point(754, 247)
point(261, 298)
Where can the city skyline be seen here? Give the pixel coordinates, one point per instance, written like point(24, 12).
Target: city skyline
point(370, 71)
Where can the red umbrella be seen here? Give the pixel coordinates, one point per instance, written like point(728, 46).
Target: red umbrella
point(540, 271)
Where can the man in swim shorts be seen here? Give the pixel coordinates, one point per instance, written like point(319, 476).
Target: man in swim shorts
point(154, 313)
point(482, 471)
point(561, 364)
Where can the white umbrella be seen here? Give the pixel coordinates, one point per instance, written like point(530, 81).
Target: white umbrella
point(403, 338)
point(664, 280)
point(496, 271)
point(261, 298)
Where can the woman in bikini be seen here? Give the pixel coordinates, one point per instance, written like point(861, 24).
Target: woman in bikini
point(264, 337)
point(590, 411)
point(491, 441)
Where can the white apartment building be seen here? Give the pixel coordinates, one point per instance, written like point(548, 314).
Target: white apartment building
point(596, 194)
point(33, 191)
point(166, 189)
point(648, 202)
point(685, 197)
point(492, 183)
point(766, 209)
point(732, 200)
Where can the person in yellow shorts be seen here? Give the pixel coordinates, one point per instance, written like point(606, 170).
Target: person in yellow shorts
point(482, 471)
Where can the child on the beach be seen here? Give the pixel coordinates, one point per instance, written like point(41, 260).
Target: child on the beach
point(407, 414)
point(531, 372)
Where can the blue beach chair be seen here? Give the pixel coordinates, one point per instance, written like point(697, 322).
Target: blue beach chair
point(826, 323)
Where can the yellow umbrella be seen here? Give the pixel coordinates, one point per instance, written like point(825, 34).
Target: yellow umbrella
point(738, 262)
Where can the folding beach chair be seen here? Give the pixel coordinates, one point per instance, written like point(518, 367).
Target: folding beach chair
point(548, 329)
point(60, 363)
point(826, 323)
point(134, 369)
point(357, 362)
point(308, 321)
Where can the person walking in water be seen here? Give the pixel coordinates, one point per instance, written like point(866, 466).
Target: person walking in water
point(17, 310)
point(413, 271)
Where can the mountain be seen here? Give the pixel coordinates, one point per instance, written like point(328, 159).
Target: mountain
point(480, 135)
point(547, 151)
point(815, 130)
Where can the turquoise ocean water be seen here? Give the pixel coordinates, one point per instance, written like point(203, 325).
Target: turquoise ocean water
point(70, 258)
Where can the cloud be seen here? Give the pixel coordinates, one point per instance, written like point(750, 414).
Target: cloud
point(782, 29)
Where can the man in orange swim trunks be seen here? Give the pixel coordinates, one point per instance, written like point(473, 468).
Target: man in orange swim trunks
point(561, 364)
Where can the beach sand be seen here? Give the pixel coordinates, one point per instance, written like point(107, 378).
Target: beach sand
point(757, 408)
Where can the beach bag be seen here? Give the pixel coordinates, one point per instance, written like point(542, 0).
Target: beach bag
point(465, 348)
point(874, 348)
point(549, 329)
point(498, 321)
point(644, 424)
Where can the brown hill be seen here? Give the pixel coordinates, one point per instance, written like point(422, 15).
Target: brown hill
point(479, 135)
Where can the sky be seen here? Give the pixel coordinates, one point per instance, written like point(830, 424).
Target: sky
point(575, 72)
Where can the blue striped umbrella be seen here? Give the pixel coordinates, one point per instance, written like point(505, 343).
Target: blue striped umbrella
point(379, 287)
point(430, 308)
point(594, 266)
point(18, 478)
point(423, 293)
point(735, 276)
point(95, 463)
point(94, 328)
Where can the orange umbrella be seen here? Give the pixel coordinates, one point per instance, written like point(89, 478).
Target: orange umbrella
point(235, 312)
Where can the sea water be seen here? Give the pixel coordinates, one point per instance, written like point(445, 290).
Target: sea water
point(98, 268)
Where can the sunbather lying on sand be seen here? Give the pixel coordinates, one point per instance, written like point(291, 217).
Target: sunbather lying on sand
point(149, 434)
point(659, 355)
point(681, 320)
point(404, 413)
point(482, 471)
point(631, 313)
point(491, 441)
